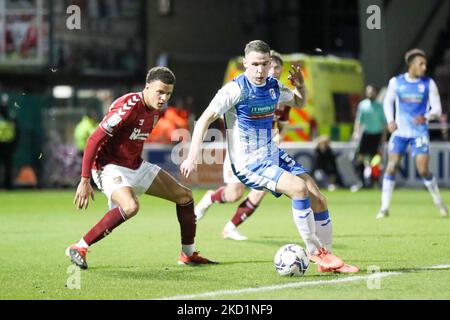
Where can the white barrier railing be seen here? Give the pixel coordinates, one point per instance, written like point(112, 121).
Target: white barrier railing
point(211, 174)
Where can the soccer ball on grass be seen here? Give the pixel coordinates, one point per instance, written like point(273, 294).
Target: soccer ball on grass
point(291, 260)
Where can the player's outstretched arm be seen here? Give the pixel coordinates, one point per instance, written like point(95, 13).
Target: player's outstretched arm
point(189, 165)
point(297, 80)
point(84, 189)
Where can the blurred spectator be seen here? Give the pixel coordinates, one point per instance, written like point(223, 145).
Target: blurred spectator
point(442, 78)
point(325, 170)
point(84, 129)
point(369, 133)
point(29, 43)
point(174, 117)
point(8, 140)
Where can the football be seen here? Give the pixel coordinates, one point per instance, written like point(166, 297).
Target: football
point(291, 260)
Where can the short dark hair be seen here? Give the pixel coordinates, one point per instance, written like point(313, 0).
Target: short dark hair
point(276, 56)
point(411, 54)
point(163, 74)
point(257, 46)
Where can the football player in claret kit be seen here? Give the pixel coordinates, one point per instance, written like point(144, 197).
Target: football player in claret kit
point(113, 157)
point(248, 104)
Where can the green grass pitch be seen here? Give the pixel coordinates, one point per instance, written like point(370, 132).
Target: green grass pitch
point(138, 260)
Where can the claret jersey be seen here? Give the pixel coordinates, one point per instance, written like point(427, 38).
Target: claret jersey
point(129, 123)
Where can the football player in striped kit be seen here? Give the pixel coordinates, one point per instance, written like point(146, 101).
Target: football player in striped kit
point(248, 104)
point(234, 188)
point(416, 99)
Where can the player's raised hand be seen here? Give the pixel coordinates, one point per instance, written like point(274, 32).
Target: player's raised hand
point(187, 167)
point(296, 76)
point(84, 191)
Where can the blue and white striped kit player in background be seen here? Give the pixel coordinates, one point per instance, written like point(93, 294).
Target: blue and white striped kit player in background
point(247, 104)
point(417, 101)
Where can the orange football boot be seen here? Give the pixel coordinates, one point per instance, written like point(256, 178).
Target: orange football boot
point(346, 268)
point(325, 259)
point(77, 255)
point(195, 259)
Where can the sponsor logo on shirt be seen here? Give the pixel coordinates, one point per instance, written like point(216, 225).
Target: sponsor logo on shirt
point(137, 135)
point(411, 97)
point(262, 109)
point(259, 112)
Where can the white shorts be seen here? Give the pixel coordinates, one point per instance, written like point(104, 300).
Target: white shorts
point(113, 177)
point(228, 175)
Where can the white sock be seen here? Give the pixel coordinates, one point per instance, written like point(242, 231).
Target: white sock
point(82, 244)
point(304, 220)
point(229, 226)
point(433, 188)
point(386, 194)
point(324, 229)
point(188, 249)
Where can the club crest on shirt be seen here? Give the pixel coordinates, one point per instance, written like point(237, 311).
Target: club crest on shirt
point(117, 180)
point(273, 94)
point(421, 87)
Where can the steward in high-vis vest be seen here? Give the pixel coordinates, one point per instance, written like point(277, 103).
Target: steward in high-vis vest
point(7, 130)
point(83, 131)
point(8, 141)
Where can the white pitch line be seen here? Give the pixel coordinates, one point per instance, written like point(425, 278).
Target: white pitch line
point(377, 275)
point(282, 286)
point(439, 266)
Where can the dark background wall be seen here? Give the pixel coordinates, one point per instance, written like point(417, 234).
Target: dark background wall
point(197, 38)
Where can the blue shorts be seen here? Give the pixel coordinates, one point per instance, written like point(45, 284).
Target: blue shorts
point(419, 145)
point(265, 173)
